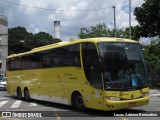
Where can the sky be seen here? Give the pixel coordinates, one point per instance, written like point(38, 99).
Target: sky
point(38, 15)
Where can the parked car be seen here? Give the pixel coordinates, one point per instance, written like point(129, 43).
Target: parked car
point(2, 76)
point(3, 84)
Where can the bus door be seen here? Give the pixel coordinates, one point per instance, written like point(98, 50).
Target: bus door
point(91, 67)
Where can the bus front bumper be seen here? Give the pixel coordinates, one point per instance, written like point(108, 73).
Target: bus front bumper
point(125, 104)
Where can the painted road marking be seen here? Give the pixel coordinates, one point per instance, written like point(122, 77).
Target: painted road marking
point(2, 103)
point(16, 104)
point(57, 116)
point(32, 104)
point(124, 119)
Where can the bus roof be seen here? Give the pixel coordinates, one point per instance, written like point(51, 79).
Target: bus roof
point(60, 44)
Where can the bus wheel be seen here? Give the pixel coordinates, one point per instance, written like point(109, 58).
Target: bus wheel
point(26, 95)
point(78, 102)
point(19, 93)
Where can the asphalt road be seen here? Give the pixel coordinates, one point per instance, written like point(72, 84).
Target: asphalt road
point(60, 112)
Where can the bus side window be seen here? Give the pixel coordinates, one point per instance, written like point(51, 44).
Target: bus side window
point(91, 65)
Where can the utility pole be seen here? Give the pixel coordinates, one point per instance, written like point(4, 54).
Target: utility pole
point(114, 21)
point(129, 19)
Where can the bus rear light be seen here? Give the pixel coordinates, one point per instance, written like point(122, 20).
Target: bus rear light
point(113, 98)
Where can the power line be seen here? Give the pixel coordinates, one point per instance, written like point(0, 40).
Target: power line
point(49, 9)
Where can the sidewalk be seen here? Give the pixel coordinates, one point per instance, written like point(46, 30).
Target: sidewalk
point(154, 93)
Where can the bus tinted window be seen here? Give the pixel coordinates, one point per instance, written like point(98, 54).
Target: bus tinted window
point(91, 65)
point(59, 57)
point(72, 56)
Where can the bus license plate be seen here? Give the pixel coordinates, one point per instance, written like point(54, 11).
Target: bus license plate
point(132, 104)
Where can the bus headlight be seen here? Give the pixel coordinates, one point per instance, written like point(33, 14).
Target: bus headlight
point(145, 94)
point(113, 98)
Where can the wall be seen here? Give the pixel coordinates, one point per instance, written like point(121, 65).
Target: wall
point(3, 43)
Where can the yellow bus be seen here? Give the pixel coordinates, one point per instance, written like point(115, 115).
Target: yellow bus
point(99, 73)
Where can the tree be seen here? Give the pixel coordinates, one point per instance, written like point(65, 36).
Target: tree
point(148, 16)
point(15, 39)
point(94, 31)
point(42, 39)
point(20, 40)
point(101, 30)
point(135, 32)
point(152, 55)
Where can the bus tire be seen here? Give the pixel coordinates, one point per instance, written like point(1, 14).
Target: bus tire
point(19, 93)
point(26, 95)
point(78, 102)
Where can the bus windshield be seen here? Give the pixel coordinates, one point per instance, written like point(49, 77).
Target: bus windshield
point(124, 66)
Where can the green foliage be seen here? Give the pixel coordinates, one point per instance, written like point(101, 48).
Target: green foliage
point(94, 31)
point(20, 40)
point(148, 16)
point(101, 30)
point(152, 55)
point(16, 35)
point(41, 39)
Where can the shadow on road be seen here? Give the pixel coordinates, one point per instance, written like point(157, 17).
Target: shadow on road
point(68, 111)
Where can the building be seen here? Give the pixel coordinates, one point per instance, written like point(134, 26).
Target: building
point(57, 30)
point(3, 43)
